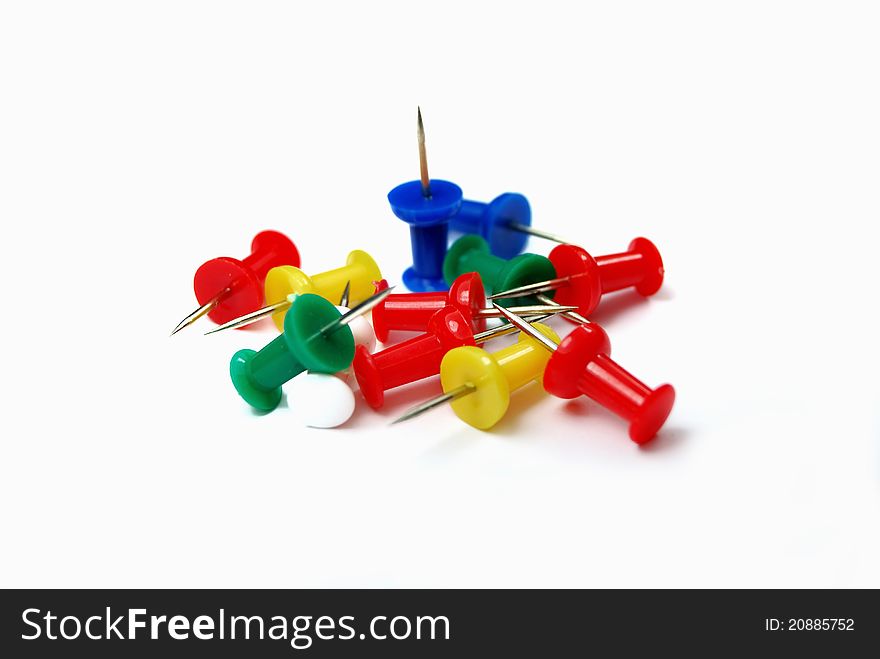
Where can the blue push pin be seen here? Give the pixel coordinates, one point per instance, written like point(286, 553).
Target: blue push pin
point(504, 223)
point(427, 206)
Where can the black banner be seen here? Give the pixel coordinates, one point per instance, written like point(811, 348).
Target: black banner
point(408, 623)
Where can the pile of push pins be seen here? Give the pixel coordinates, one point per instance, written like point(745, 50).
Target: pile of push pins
point(327, 345)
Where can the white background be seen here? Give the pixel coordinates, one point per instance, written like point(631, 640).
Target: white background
point(139, 139)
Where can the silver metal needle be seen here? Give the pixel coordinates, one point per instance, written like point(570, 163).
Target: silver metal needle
point(449, 396)
point(528, 310)
point(354, 312)
point(570, 314)
point(527, 289)
point(503, 330)
point(541, 338)
point(423, 159)
point(252, 317)
point(343, 301)
point(522, 228)
point(201, 311)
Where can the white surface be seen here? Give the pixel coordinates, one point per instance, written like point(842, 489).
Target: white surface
point(138, 140)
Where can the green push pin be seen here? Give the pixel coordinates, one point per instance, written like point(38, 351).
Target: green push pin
point(316, 337)
point(471, 253)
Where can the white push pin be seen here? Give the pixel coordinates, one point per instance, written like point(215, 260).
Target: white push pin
point(320, 400)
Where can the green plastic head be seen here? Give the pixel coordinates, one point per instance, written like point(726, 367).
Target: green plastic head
point(519, 271)
point(256, 395)
point(470, 253)
point(319, 352)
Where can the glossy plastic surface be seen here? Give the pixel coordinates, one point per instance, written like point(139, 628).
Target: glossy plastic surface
point(470, 253)
point(258, 376)
point(640, 266)
point(319, 400)
point(244, 278)
point(428, 218)
point(411, 360)
point(360, 269)
point(492, 222)
point(495, 376)
point(412, 311)
point(585, 288)
point(582, 365)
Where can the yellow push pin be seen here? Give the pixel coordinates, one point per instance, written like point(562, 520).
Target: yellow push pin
point(285, 282)
point(477, 384)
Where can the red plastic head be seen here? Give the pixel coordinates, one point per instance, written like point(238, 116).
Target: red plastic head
point(245, 278)
point(581, 365)
point(585, 287)
point(468, 296)
point(368, 377)
point(451, 328)
point(652, 278)
point(245, 288)
point(570, 360)
point(377, 315)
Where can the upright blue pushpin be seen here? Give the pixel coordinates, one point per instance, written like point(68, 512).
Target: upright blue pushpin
point(504, 223)
point(427, 206)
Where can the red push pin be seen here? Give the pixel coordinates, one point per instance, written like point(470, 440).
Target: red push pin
point(582, 280)
point(420, 356)
point(580, 364)
point(411, 360)
point(413, 311)
point(227, 288)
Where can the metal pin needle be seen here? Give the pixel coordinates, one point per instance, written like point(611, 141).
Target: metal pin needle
point(357, 310)
point(571, 314)
point(423, 159)
point(537, 287)
point(522, 228)
point(343, 301)
point(466, 388)
point(524, 326)
point(527, 310)
point(201, 311)
point(251, 318)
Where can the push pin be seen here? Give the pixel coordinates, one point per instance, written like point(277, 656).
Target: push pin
point(505, 223)
point(226, 287)
point(426, 206)
point(581, 280)
point(316, 338)
point(419, 357)
point(285, 282)
point(471, 254)
point(478, 384)
point(412, 311)
point(580, 364)
point(320, 400)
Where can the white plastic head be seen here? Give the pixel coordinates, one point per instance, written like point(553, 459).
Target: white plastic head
point(320, 401)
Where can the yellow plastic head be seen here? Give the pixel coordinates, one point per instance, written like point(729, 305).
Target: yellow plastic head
point(493, 375)
point(281, 282)
point(364, 272)
point(471, 365)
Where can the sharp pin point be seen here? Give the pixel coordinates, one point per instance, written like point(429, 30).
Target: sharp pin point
point(343, 301)
point(252, 317)
point(198, 313)
point(355, 311)
point(423, 158)
point(447, 397)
